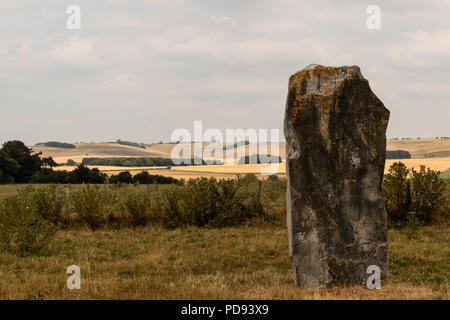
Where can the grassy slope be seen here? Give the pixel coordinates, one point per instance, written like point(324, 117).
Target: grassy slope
point(233, 263)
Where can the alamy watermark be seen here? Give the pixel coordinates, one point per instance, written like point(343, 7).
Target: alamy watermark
point(373, 21)
point(227, 148)
point(374, 281)
point(74, 280)
point(74, 20)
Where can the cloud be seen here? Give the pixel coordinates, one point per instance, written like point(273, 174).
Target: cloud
point(169, 63)
point(427, 89)
point(120, 20)
point(231, 21)
point(421, 48)
point(13, 4)
point(76, 51)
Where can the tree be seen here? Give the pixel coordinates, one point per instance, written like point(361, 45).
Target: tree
point(95, 176)
point(29, 162)
point(145, 178)
point(81, 174)
point(48, 162)
point(8, 168)
point(124, 177)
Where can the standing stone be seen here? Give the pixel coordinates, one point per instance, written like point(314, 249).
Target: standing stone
point(335, 129)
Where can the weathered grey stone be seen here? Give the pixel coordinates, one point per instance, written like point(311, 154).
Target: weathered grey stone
point(335, 129)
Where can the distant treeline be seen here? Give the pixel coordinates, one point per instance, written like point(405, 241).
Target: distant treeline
point(142, 178)
point(19, 164)
point(56, 144)
point(143, 162)
point(236, 145)
point(132, 144)
point(259, 159)
point(397, 154)
point(83, 174)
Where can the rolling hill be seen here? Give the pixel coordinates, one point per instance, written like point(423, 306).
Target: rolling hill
point(434, 153)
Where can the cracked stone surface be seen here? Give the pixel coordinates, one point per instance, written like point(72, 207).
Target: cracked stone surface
point(335, 129)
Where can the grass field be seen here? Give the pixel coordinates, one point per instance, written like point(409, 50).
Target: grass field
point(445, 174)
point(248, 262)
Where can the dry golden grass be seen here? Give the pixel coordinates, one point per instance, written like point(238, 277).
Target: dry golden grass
point(248, 262)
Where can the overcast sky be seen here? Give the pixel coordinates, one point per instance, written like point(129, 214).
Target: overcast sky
point(137, 70)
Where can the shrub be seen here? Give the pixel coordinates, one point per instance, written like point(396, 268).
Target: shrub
point(428, 193)
point(209, 202)
point(396, 191)
point(418, 199)
point(48, 205)
point(200, 201)
point(137, 206)
point(250, 177)
point(22, 230)
point(233, 206)
point(169, 204)
point(89, 206)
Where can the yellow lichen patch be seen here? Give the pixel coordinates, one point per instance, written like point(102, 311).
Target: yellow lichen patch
point(298, 76)
point(295, 111)
point(297, 106)
point(324, 70)
point(299, 99)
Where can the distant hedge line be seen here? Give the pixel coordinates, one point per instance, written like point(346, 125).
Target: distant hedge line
point(259, 159)
point(131, 144)
point(142, 162)
point(56, 144)
point(397, 154)
point(236, 145)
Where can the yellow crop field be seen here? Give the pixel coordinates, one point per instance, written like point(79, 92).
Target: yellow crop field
point(422, 147)
point(417, 148)
point(441, 164)
point(230, 171)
